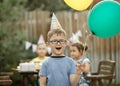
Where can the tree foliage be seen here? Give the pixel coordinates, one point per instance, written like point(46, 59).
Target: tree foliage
point(11, 9)
point(51, 5)
point(11, 37)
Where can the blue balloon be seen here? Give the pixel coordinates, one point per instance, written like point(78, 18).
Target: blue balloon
point(104, 19)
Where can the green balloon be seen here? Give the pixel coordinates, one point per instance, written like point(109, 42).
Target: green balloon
point(106, 0)
point(104, 19)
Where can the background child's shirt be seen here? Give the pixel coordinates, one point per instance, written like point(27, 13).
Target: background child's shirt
point(83, 60)
point(58, 70)
point(83, 75)
point(38, 62)
point(37, 59)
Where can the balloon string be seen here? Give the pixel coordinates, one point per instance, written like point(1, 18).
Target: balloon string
point(85, 44)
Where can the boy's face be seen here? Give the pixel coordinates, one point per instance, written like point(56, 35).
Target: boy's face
point(41, 50)
point(57, 42)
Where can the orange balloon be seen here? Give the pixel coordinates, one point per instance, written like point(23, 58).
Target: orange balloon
point(79, 5)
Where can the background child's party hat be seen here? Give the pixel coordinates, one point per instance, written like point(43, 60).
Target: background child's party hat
point(41, 40)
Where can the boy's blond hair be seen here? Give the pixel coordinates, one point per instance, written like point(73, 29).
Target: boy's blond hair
point(56, 31)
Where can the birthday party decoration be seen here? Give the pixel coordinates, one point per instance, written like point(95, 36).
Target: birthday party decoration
point(74, 39)
point(27, 45)
point(78, 33)
point(79, 5)
point(41, 40)
point(34, 47)
point(55, 23)
point(104, 19)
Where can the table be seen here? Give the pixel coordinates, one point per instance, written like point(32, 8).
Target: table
point(26, 77)
point(98, 78)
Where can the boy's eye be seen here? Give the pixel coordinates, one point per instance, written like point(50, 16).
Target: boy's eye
point(61, 41)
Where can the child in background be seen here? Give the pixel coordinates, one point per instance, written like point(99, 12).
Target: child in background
point(58, 69)
point(41, 52)
point(77, 50)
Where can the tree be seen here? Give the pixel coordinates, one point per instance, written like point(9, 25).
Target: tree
point(11, 37)
point(50, 5)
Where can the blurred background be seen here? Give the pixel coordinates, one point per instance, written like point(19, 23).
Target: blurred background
point(25, 20)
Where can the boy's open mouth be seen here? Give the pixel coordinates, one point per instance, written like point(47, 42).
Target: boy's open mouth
point(58, 48)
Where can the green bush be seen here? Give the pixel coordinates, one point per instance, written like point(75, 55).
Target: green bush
point(12, 38)
point(12, 50)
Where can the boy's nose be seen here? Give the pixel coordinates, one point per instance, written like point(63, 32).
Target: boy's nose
point(58, 42)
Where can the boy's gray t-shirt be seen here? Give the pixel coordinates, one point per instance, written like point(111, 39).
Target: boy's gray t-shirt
point(58, 70)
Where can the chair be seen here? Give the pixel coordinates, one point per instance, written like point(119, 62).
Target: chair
point(5, 78)
point(105, 72)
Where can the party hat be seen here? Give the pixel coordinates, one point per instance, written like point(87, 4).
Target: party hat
point(55, 23)
point(41, 40)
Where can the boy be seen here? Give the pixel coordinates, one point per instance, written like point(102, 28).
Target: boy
point(58, 70)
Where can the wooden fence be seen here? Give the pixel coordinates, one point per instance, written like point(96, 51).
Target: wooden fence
point(38, 22)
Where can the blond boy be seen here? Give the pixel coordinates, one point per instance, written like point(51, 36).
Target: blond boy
point(58, 70)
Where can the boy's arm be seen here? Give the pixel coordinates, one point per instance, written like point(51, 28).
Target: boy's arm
point(42, 80)
point(74, 78)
